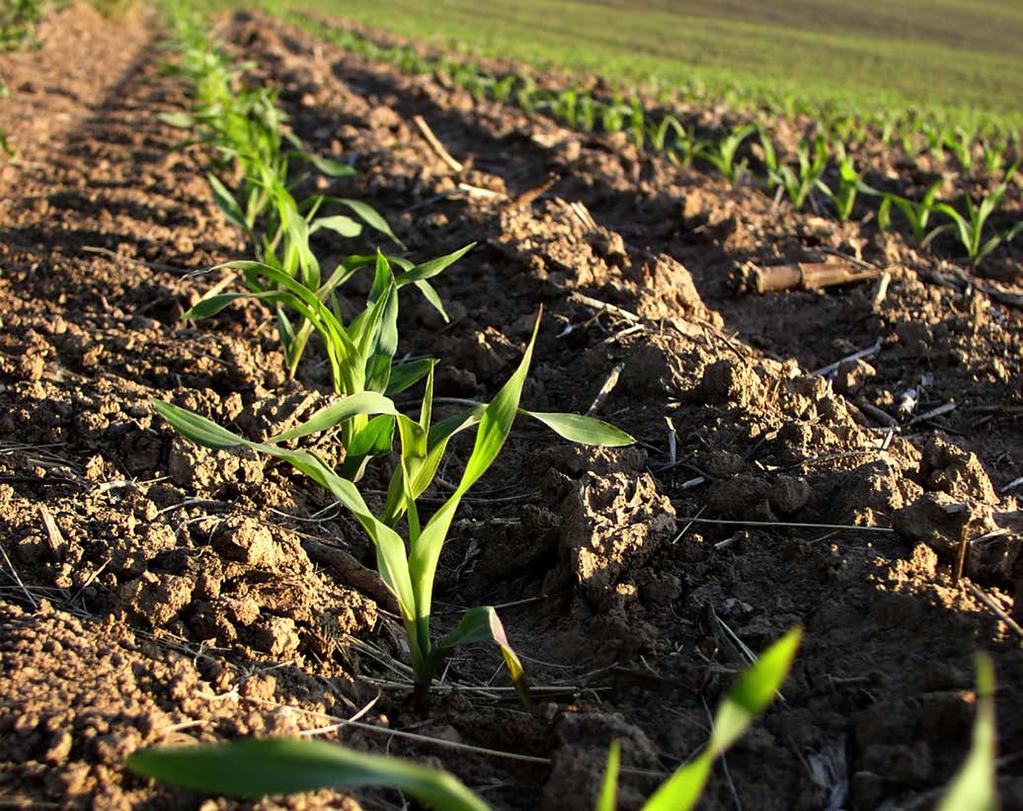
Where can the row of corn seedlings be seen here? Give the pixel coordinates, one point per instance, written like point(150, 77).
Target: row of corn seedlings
point(824, 172)
point(243, 126)
point(914, 126)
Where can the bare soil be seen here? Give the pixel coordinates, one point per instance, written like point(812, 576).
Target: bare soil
point(157, 593)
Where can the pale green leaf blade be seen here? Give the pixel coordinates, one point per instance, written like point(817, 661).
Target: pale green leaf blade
point(481, 624)
point(365, 402)
point(370, 216)
point(581, 429)
point(432, 298)
point(427, 270)
point(226, 203)
point(256, 768)
point(326, 166)
point(198, 429)
point(339, 224)
point(608, 799)
point(682, 790)
point(754, 691)
point(974, 787)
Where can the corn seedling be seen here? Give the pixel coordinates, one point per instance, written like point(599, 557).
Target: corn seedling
point(245, 126)
point(769, 156)
point(970, 229)
point(361, 354)
point(722, 154)
point(935, 136)
point(408, 566)
point(850, 184)
point(800, 185)
point(637, 124)
point(960, 143)
point(255, 768)
point(917, 213)
point(993, 154)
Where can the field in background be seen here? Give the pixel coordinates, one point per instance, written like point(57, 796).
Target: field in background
point(951, 54)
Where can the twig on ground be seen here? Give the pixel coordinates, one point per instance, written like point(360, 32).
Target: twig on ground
point(871, 350)
point(985, 598)
point(436, 145)
point(607, 388)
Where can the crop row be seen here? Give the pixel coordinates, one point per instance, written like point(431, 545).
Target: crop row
point(246, 134)
point(821, 169)
point(250, 144)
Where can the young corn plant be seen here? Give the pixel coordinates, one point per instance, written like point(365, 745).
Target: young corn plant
point(917, 213)
point(361, 354)
point(960, 143)
point(255, 768)
point(850, 184)
point(800, 183)
point(408, 565)
point(769, 155)
point(722, 154)
point(970, 229)
point(993, 154)
point(243, 125)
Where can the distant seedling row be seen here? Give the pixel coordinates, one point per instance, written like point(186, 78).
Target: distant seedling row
point(821, 170)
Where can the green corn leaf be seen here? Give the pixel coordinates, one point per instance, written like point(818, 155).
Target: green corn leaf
point(340, 224)
point(227, 204)
point(754, 691)
point(331, 168)
point(683, 789)
point(405, 375)
point(608, 799)
point(382, 348)
point(369, 215)
point(198, 429)
point(481, 624)
point(181, 121)
point(749, 696)
point(255, 768)
point(285, 332)
point(375, 439)
point(365, 402)
point(974, 787)
point(427, 270)
point(432, 298)
point(391, 561)
point(581, 429)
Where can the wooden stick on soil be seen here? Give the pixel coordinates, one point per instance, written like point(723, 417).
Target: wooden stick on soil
point(436, 145)
point(983, 596)
point(804, 276)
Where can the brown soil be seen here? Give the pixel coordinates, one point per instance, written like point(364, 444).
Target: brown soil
point(153, 592)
